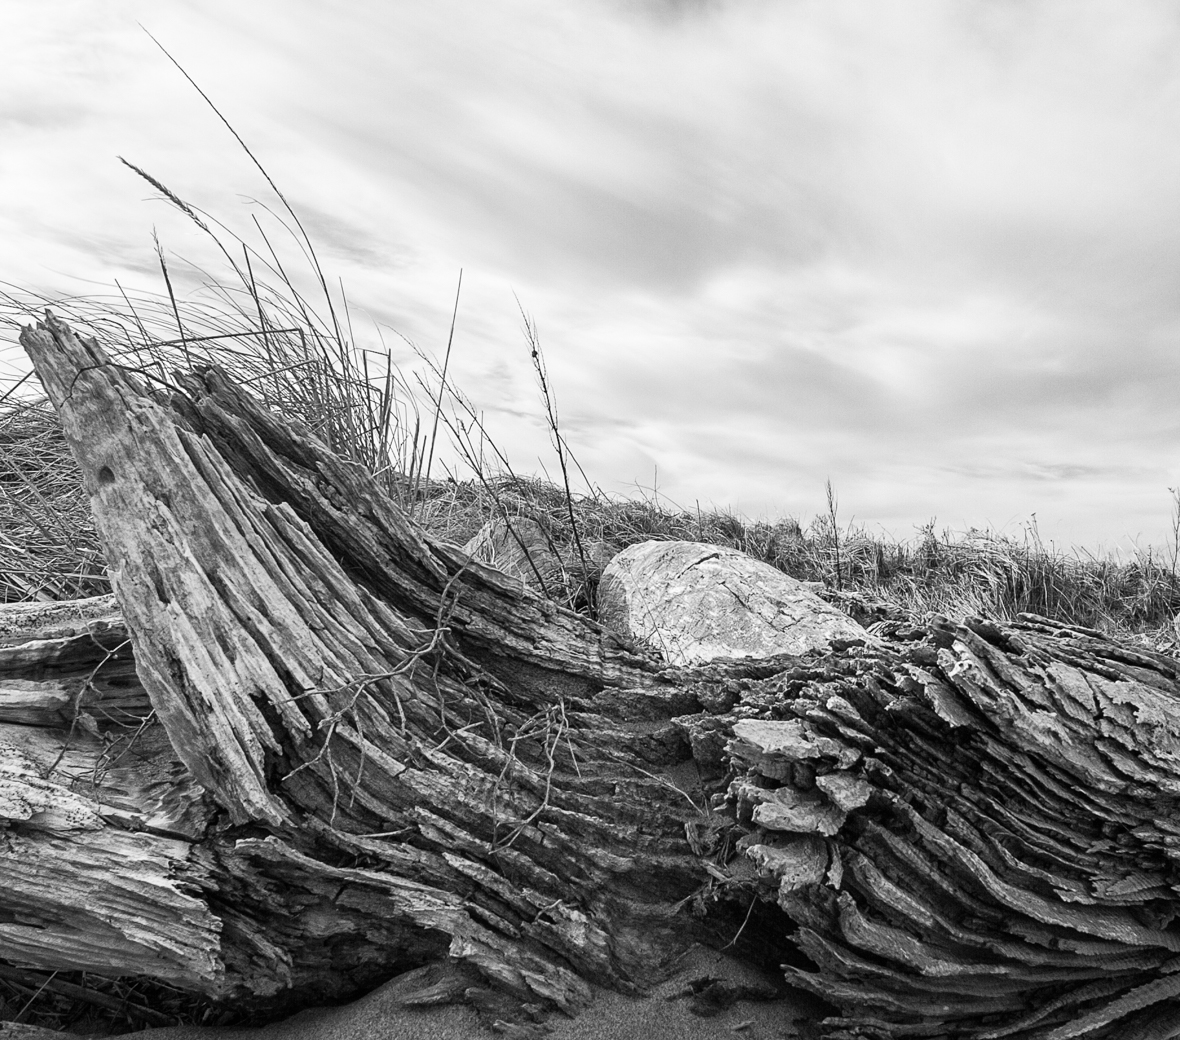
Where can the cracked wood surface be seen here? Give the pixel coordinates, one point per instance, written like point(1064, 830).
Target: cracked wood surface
point(312, 747)
point(334, 682)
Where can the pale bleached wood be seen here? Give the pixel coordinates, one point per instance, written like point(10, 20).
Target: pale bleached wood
point(324, 671)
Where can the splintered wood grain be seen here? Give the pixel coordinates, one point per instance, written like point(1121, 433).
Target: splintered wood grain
point(381, 751)
point(325, 671)
point(1015, 869)
point(90, 872)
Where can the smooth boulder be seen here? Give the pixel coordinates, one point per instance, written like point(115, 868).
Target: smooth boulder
point(523, 549)
point(519, 548)
point(693, 602)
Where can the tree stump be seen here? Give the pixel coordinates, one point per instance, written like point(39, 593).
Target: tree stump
point(306, 746)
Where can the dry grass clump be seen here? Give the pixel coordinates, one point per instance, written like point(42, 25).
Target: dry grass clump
point(82, 1003)
point(48, 546)
point(982, 573)
point(269, 340)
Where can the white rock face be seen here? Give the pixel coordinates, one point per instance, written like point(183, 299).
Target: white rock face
point(694, 602)
point(522, 551)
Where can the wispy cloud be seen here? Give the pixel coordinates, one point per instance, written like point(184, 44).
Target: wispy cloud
point(929, 250)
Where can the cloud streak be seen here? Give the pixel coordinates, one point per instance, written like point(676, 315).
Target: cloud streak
point(929, 250)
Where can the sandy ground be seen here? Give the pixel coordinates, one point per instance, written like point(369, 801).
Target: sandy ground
point(612, 1016)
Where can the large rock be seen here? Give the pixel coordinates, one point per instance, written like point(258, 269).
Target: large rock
point(694, 602)
point(523, 549)
point(519, 548)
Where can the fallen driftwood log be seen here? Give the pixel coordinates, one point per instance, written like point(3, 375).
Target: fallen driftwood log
point(310, 747)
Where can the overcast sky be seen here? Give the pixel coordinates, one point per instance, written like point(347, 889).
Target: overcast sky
point(928, 250)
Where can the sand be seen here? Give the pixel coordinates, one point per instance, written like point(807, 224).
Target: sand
point(612, 1016)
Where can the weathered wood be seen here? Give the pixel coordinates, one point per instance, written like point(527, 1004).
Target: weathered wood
point(346, 691)
point(314, 746)
point(1004, 855)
